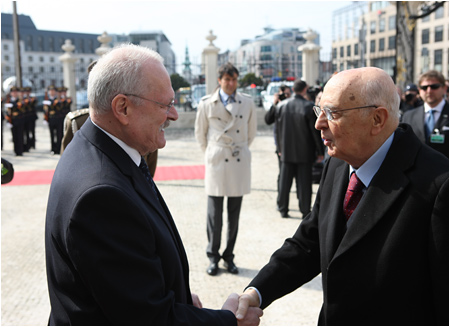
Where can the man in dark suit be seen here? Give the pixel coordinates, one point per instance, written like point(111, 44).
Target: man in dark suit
point(113, 252)
point(300, 145)
point(430, 120)
point(384, 260)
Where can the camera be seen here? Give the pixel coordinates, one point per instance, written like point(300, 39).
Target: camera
point(281, 96)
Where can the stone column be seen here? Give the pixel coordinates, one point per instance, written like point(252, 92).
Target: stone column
point(68, 61)
point(104, 40)
point(310, 54)
point(210, 54)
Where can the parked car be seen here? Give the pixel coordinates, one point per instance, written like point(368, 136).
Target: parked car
point(270, 91)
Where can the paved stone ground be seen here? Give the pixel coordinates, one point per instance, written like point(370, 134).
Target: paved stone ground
point(24, 289)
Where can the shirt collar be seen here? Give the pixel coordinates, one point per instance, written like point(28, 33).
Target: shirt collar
point(133, 153)
point(224, 97)
point(366, 172)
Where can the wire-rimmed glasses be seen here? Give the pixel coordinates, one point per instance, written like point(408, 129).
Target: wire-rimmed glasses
point(329, 113)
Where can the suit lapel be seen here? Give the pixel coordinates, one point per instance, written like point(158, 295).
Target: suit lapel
point(386, 186)
point(443, 118)
point(336, 222)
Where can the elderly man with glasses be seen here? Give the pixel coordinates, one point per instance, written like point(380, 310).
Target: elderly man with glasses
point(430, 120)
point(113, 252)
point(378, 231)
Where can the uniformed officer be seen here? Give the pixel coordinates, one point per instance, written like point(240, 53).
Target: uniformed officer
point(55, 118)
point(225, 127)
point(29, 103)
point(15, 116)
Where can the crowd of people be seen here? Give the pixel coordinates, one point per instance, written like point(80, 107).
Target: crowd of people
point(377, 231)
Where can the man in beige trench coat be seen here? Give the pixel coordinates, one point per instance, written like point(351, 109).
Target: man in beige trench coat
point(225, 127)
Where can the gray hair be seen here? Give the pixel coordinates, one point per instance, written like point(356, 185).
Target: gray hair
point(119, 71)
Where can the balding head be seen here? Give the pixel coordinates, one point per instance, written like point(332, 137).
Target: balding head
point(355, 135)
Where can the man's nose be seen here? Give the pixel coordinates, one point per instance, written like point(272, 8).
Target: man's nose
point(321, 122)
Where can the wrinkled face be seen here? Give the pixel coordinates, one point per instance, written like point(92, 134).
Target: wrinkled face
point(148, 119)
point(346, 135)
point(229, 83)
point(430, 96)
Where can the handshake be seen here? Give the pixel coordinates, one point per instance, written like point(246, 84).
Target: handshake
point(245, 307)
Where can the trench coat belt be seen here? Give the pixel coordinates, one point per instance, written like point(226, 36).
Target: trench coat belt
point(235, 147)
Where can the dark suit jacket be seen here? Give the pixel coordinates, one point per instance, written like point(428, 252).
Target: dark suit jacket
point(113, 252)
point(298, 140)
point(390, 267)
point(415, 118)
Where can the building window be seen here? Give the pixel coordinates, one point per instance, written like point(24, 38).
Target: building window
point(29, 43)
point(372, 46)
point(41, 59)
point(425, 36)
point(382, 25)
point(349, 50)
point(40, 43)
point(7, 68)
point(334, 53)
point(30, 58)
point(266, 48)
point(341, 52)
point(438, 60)
point(391, 41)
point(6, 57)
point(373, 27)
point(381, 45)
point(52, 59)
point(51, 44)
point(41, 69)
point(438, 33)
point(341, 67)
point(30, 69)
point(5, 47)
point(356, 49)
point(392, 22)
point(426, 19)
point(52, 69)
point(439, 12)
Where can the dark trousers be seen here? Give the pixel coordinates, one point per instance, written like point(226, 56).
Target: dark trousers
point(17, 135)
point(214, 226)
point(302, 172)
point(56, 126)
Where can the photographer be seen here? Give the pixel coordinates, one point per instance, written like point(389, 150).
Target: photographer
point(272, 115)
point(410, 99)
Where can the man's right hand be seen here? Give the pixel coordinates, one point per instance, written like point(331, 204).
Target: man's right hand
point(248, 301)
point(251, 315)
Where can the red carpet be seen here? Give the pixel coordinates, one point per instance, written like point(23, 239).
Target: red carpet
point(42, 177)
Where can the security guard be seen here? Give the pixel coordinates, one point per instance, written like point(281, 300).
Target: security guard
point(53, 114)
point(15, 116)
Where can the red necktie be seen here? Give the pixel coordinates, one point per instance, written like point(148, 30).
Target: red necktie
point(353, 195)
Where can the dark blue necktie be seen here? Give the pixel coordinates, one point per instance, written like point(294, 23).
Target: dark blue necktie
point(144, 168)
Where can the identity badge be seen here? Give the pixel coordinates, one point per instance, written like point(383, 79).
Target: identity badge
point(437, 138)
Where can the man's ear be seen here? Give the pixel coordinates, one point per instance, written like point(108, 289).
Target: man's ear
point(380, 117)
point(119, 106)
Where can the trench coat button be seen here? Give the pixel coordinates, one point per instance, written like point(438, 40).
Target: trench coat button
point(241, 117)
point(226, 160)
point(239, 101)
point(237, 131)
point(219, 118)
point(236, 116)
point(226, 131)
point(238, 159)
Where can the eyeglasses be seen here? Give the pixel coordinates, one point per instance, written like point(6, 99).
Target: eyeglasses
point(433, 86)
point(329, 113)
point(168, 106)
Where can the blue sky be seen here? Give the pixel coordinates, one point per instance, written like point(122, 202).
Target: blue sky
point(185, 22)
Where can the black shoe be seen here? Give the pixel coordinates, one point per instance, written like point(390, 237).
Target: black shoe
point(285, 215)
point(231, 267)
point(213, 269)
